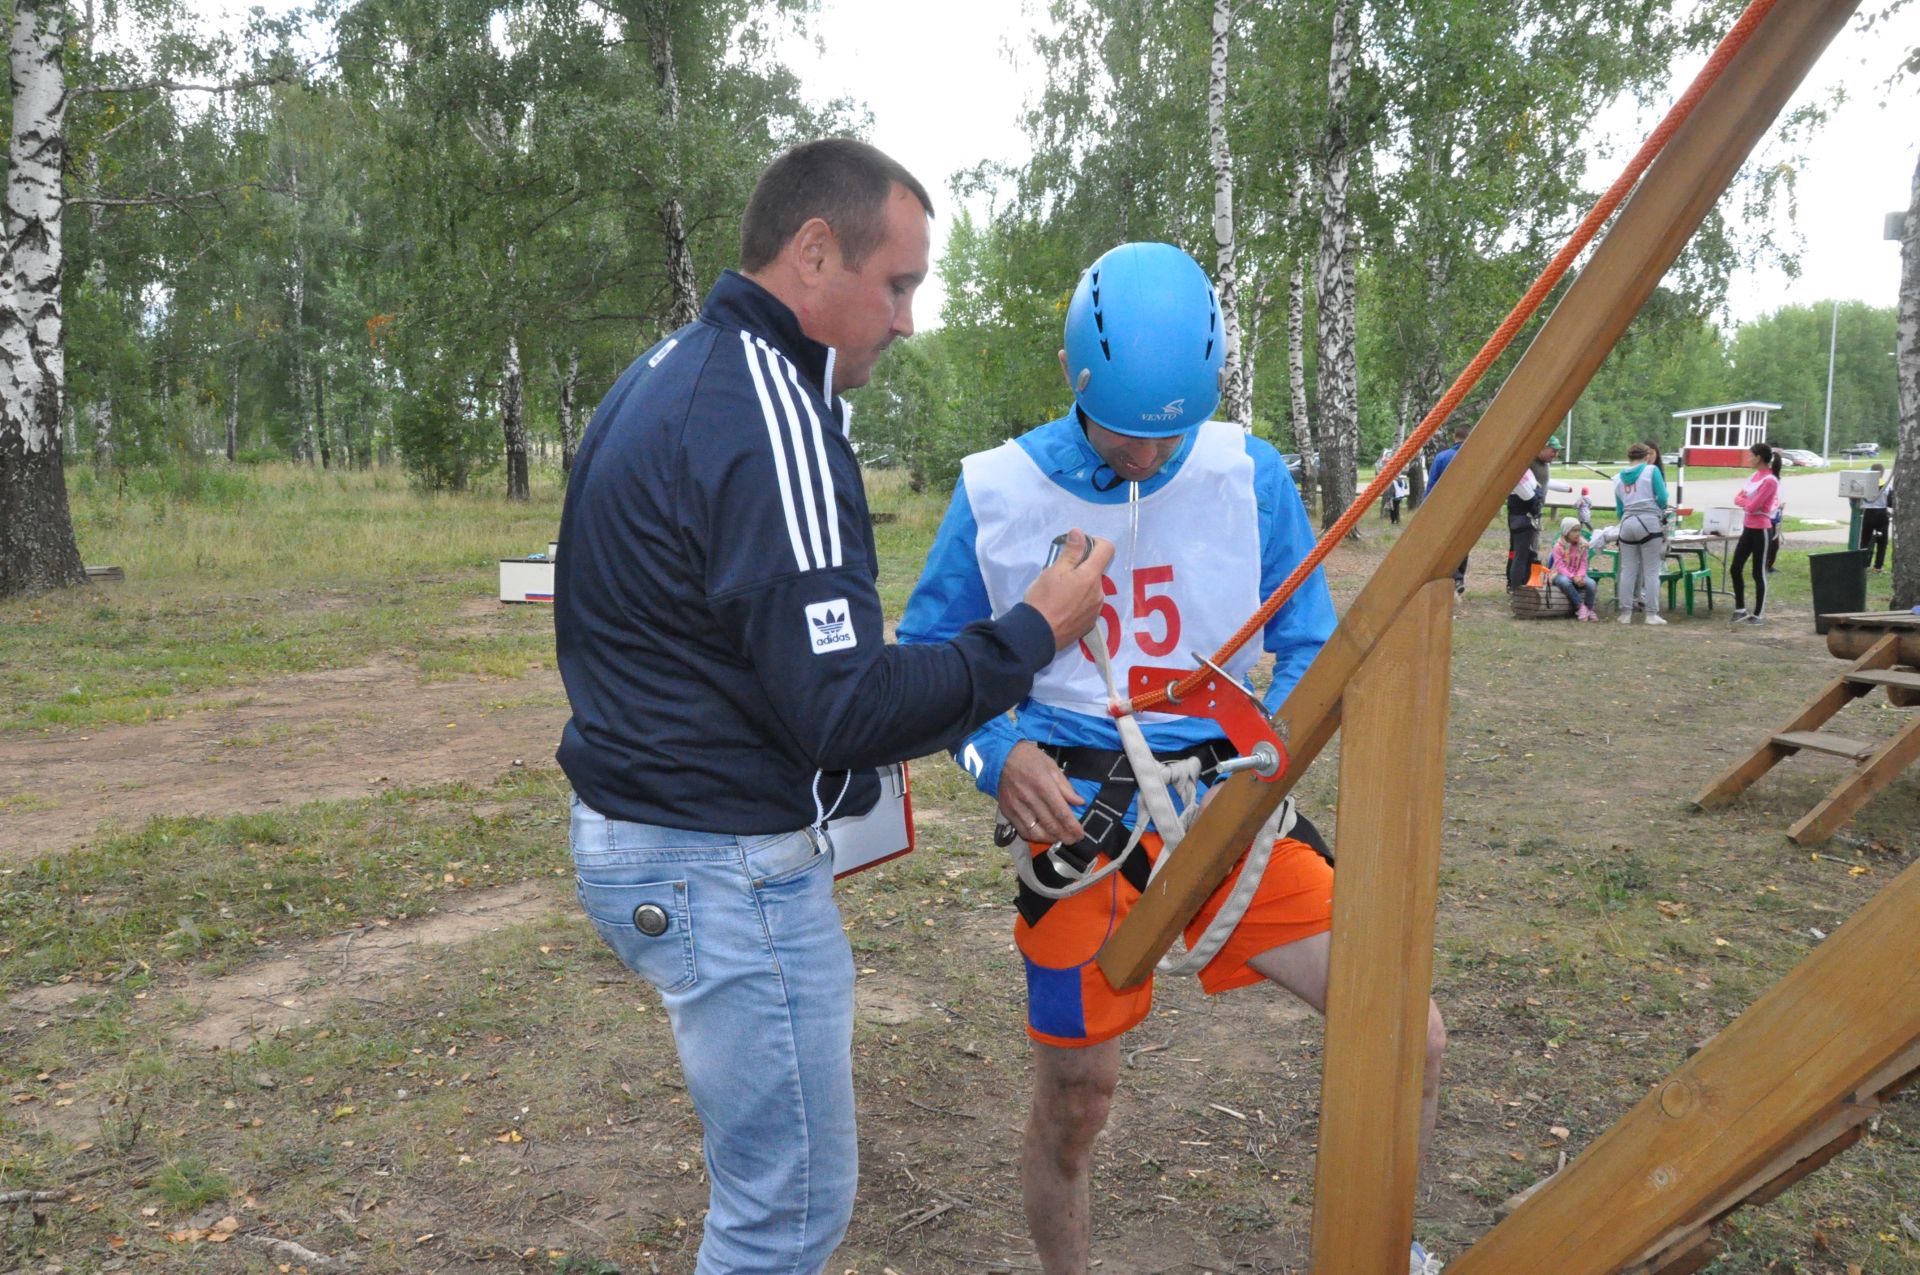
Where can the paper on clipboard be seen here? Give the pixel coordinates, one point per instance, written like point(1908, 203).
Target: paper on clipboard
point(883, 833)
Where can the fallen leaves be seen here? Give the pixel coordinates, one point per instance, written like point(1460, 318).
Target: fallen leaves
point(219, 1233)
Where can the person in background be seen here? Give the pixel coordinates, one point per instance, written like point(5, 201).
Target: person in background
point(1440, 464)
point(1583, 509)
point(1520, 565)
point(1640, 498)
point(1396, 492)
point(1756, 499)
point(1569, 566)
point(1876, 517)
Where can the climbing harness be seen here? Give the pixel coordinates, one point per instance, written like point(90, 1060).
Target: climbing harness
point(1157, 782)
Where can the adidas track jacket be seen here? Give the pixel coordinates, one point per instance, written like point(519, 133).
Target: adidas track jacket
point(718, 628)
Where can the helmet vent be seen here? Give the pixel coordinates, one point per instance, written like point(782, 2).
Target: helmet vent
point(1099, 322)
point(1104, 350)
point(1209, 353)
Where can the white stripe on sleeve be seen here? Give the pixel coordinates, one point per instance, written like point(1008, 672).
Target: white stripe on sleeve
point(803, 468)
point(820, 457)
point(779, 451)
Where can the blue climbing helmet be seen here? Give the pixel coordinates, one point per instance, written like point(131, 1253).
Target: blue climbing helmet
point(1144, 343)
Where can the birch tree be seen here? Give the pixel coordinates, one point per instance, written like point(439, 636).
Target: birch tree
point(1236, 399)
point(1338, 428)
point(37, 546)
point(1906, 465)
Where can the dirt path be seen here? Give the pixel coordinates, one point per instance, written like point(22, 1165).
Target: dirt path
point(310, 737)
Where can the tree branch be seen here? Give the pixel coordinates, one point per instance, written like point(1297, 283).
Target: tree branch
point(155, 199)
point(164, 84)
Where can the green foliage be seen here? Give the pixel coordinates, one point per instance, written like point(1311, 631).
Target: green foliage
point(439, 436)
point(1782, 359)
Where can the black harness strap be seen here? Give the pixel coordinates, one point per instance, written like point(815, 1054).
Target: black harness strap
point(1104, 821)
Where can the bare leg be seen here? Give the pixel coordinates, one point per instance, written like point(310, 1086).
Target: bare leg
point(1072, 1092)
point(1301, 968)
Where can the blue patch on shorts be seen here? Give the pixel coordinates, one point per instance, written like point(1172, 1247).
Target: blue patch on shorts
point(1053, 1002)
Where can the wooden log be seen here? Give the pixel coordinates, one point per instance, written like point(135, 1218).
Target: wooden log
point(1851, 641)
point(1845, 1014)
point(1879, 770)
point(1392, 782)
point(1667, 207)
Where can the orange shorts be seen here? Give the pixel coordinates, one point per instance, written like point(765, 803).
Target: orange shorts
point(1070, 1002)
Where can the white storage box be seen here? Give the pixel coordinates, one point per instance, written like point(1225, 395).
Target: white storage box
point(526, 580)
point(1722, 522)
point(1859, 484)
point(883, 833)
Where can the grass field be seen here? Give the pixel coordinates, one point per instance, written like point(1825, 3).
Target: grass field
point(375, 1027)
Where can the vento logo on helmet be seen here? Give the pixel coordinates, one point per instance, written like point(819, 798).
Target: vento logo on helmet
point(1171, 412)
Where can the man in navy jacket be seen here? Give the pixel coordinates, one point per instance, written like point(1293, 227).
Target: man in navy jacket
point(723, 650)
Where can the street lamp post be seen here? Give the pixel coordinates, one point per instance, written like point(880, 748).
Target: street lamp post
point(1826, 434)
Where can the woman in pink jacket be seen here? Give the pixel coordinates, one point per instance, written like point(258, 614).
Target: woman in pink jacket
point(1757, 499)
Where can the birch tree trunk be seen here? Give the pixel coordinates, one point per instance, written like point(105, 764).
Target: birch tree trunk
point(37, 547)
point(320, 430)
point(1338, 379)
point(309, 452)
point(99, 419)
point(1303, 432)
point(233, 416)
point(513, 421)
point(685, 307)
point(1906, 466)
point(1236, 397)
point(567, 389)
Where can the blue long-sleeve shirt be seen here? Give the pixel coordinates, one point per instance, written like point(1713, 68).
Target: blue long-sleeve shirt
point(951, 594)
point(717, 624)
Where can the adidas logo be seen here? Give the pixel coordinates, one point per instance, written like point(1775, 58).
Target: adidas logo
point(830, 626)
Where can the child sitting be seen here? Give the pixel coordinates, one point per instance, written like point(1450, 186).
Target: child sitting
point(1569, 567)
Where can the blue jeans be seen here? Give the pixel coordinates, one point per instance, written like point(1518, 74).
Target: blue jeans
point(1581, 595)
point(757, 976)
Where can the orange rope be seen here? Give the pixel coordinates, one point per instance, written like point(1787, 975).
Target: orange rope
point(1495, 346)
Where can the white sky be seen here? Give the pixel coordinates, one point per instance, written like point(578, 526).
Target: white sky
point(945, 95)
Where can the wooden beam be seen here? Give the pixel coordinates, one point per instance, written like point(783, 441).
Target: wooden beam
point(1393, 778)
point(1665, 210)
point(1879, 770)
point(1812, 715)
point(1846, 1013)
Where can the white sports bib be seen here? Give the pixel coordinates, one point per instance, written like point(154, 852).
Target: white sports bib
point(1184, 583)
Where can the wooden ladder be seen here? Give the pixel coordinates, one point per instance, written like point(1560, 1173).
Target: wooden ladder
point(1876, 763)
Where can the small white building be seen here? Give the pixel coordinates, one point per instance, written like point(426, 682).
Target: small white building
point(1721, 435)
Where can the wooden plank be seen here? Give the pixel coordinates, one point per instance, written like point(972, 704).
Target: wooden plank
point(1905, 678)
point(1815, 741)
point(1829, 1135)
point(1843, 1015)
point(1393, 780)
point(1648, 234)
point(1880, 769)
point(1835, 696)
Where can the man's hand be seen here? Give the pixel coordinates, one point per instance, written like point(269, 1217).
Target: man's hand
point(1068, 592)
point(1035, 795)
